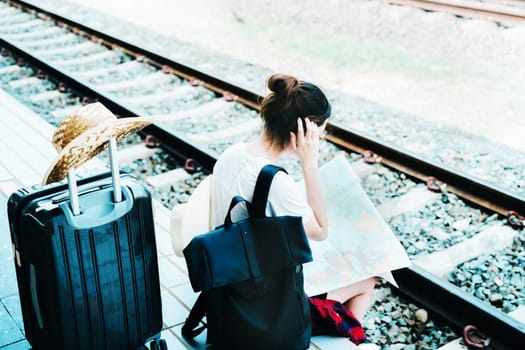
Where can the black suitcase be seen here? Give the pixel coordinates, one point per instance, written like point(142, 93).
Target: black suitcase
point(91, 280)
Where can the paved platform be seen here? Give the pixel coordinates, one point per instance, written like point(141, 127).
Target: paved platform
point(26, 152)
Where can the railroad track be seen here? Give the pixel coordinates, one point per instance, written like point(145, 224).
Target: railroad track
point(506, 12)
point(55, 65)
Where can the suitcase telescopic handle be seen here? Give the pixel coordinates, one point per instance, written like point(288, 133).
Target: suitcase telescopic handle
point(73, 191)
point(115, 175)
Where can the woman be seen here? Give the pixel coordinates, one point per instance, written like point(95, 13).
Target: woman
point(294, 114)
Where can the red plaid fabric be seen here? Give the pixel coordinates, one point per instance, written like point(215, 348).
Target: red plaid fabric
point(330, 317)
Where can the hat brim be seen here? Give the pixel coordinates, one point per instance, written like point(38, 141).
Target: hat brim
point(90, 143)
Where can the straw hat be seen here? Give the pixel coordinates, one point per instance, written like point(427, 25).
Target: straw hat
point(84, 134)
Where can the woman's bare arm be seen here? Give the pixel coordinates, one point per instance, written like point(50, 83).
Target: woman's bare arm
point(306, 145)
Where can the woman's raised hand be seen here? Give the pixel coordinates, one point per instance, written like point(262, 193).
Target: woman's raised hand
point(306, 142)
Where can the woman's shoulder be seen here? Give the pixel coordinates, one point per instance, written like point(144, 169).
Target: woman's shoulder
point(230, 154)
point(239, 153)
point(235, 159)
point(283, 180)
point(235, 148)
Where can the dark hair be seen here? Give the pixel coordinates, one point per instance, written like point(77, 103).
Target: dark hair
point(288, 100)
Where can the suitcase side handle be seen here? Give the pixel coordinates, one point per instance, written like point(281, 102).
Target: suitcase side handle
point(34, 296)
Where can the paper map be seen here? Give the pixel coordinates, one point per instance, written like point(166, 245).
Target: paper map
point(360, 243)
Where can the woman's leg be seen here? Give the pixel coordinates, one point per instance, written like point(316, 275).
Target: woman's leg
point(355, 297)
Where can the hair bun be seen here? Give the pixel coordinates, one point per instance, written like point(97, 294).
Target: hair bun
point(282, 84)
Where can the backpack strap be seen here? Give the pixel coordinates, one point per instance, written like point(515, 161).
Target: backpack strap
point(197, 312)
point(262, 189)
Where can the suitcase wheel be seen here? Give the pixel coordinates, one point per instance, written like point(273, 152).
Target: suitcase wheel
point(158, 345)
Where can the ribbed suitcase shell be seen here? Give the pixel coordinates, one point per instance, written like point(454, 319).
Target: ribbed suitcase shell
point(84, 287)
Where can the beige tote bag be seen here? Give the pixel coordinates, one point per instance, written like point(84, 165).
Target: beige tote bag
point(192, 218)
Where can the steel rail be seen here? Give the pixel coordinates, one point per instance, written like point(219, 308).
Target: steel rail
point(440, 296)
point(467, 9)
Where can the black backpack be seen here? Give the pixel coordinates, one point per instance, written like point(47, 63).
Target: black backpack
point(251, 277)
